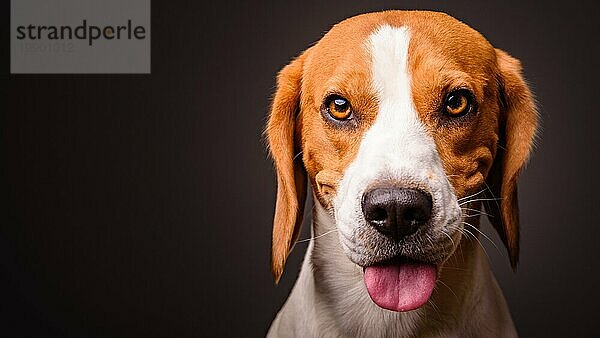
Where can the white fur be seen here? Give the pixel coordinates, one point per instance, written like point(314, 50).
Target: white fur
point(330, 299)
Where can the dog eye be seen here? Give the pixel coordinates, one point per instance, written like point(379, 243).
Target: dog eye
point(338, 107)
point(458, 103)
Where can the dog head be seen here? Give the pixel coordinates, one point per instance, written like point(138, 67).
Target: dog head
point(397, 120)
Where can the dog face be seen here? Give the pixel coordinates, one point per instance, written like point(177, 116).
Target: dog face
point(398, 116)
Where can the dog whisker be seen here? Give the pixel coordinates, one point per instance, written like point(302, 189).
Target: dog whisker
point(316, 237)
point(478, 200)
point(484, 235)
point(436, 308)
point(296, 156)
point(492, 193)
point(469, 234)
point(471, 215)
point(454, 268)
point(478, 212)
point(479, 242)
point(473, 195)
point(447, 235)
point(449, 288)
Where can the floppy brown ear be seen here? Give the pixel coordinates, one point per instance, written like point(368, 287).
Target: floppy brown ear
point(518, 123)
point(283, 138)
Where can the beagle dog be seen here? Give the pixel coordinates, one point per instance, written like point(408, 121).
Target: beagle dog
point(406, 125)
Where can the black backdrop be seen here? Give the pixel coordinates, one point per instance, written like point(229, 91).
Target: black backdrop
point(141, 205)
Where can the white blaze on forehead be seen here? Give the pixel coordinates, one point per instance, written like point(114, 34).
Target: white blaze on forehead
point(389, 50)
point(398, 133)
point(397, 148)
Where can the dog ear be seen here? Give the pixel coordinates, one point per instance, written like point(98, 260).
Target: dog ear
point(283, 136)
point(518, 123)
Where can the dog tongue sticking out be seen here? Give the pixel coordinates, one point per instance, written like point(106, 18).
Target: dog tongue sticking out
point(400, 286)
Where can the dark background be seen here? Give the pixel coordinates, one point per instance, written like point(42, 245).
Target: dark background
point(141, 205)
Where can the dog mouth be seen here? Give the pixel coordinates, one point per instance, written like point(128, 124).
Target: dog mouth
point(400, 284)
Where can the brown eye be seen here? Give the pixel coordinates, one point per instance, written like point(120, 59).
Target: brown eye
point(458, 103)
point(338, 107)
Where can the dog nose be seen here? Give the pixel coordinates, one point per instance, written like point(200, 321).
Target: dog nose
point(396, 212)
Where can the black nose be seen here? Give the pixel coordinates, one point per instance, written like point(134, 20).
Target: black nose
point(396, 212)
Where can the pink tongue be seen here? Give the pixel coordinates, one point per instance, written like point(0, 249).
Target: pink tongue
point(400, 286)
